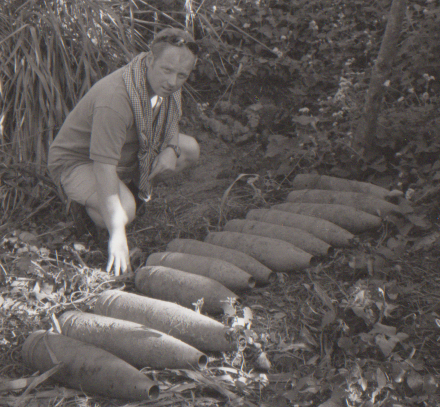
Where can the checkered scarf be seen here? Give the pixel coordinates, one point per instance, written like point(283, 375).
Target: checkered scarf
point(154, 133)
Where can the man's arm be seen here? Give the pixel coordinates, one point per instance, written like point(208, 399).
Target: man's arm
point(166, 160)
point(114, 216)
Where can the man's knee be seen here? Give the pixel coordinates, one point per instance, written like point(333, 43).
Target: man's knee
point(190, 149)
point(93, 206)
point(195, 150)
point(128, 201)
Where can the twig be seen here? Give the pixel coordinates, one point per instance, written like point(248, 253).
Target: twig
point(156, 10)
point(3, 269)
point(38, 380)
point(252, 38)
point(226, 193)
point(140, 230)
point(200, 6)
point(32, 172)
point(39, 208)
point(78, 257)
point(211, 27)
point(54, 231)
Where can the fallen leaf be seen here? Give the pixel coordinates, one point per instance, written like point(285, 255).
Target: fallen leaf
point(383, 329)
point(44, 252)
point(366, 314)
point(279, 145)
point(229, 309)
point(23, 263)
point(347, 345)
point(27, 237)
point(387, 345)
point(381, 379)
point(331, 403)
point(283, 347)
point(387, 253)
point(312, 360)
point(415, 381)
point(324, 297)
point(363, 383)
point(263, 362)
point(79, 247)
point(419, 221)
point(386, 308)
point(201, 378)
point(417, 364)
point(179, 388)
point(307, 336)
point(248, 314)
point(305, 120)
point(399, 372)
point(311, 389)
point(328, 318)
point(430, 385)
point(336, 400)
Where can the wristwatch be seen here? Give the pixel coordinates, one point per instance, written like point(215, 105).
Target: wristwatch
point(176, 149)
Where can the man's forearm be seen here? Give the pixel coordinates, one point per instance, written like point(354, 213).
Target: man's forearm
point(112, 211)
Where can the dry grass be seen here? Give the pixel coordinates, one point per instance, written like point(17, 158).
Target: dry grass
point(51, 53)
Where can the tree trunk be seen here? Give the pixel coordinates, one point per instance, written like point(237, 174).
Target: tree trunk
point(366, 131)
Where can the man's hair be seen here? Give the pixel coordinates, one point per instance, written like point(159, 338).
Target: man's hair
point(158, 45)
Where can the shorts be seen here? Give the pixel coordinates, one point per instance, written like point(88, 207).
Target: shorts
point(79, 182)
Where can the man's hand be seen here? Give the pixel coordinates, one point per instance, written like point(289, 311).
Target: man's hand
point(118, 253)
point(164, 162)
point(107, 203)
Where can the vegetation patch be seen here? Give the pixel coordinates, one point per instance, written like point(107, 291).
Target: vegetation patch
point(279, 90)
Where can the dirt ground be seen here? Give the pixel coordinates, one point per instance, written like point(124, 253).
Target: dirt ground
point(197, 190)
point(189, 204)
point(312, 329)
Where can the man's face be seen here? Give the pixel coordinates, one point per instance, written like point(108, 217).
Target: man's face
point(168, 72)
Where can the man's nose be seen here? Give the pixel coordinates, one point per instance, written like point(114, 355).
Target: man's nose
point(172, 80)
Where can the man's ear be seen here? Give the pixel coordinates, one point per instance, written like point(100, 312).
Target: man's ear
point(150, 59)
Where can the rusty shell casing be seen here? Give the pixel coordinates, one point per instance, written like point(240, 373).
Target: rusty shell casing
point(298, 237)
point(197, 330)
point(351, 219)
point(222, 271)
point(358, 200)
point(323, 229)
point(186, 289)
point(262, 274)
point(316, 181)
point(135, 343)
point(276, 254)
point(86, 367)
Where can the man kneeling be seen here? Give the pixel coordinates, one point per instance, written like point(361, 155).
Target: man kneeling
point(126, 129)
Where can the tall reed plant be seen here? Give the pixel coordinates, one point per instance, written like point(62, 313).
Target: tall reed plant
point(51, 52)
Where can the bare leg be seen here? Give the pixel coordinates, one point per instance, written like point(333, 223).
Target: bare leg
point(79, 185)
point(127, 201)
point(190, 152)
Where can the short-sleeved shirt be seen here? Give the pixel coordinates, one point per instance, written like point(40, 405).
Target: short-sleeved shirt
point(100, 128)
